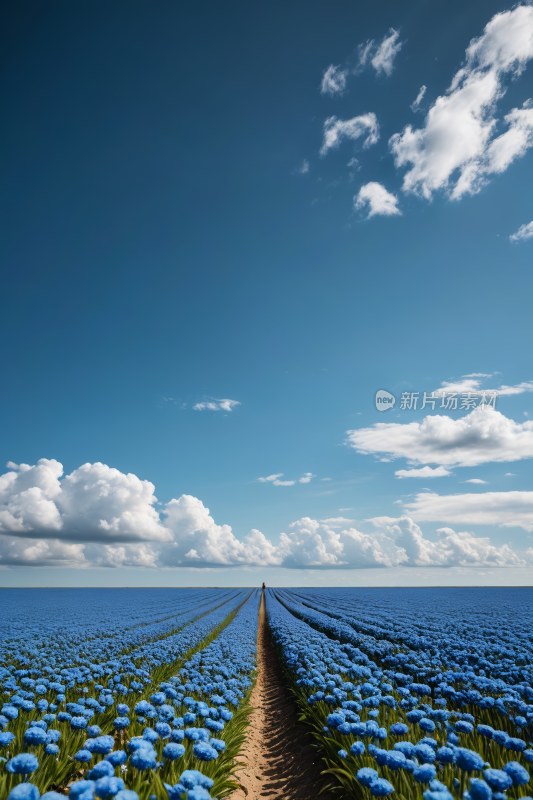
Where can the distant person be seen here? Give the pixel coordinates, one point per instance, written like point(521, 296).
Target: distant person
point(264, 587)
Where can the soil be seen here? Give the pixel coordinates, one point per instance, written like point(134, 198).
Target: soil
point(279, 755)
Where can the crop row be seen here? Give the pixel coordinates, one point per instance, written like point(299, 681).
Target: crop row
point(166, 719)
point(417, 714)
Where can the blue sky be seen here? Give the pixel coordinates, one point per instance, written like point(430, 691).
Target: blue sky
point(226, 203)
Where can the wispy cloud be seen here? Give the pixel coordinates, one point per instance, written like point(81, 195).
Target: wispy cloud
point(216, 405)
point(380, 56)
point(334, 80)
point(423, 472)
point(335, 130)
point(415, 105)
point(523, 233)
point(307, 477)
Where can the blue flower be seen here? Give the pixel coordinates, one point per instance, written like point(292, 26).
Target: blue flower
point(6, 738)
point(80, 789)
point(426, 724)
point(399, 728)
point(462, 726)
point(177, 735)
point(445, 755)
point(479, 790)
point(123, 710)
point(343, 754)
point(366, 776)
point(22, 764)
point(24, 791)
point(218, 744)
point(173, 751)
point(192, 777)
point(78, 722)
point(381, 787)
point(125, 794)
point(163, 729)
point(498, 780)
point(150, 735)
point(83, 756)
point(51, 749)
point(116, 758)
point(357, 749)
point(101, 770)
point(108, 786)
point(144, 758)
point(469, 760)
point(518, 774)
point(425, 773)
point(204, 751)
point(94, 730)
point(120, 723)
point(103, 745)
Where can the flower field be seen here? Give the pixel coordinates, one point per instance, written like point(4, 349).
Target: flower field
point(136, 699)
point(144, 695)
point(411, 694)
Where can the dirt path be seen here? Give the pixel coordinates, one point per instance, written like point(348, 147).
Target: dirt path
point(278, 754)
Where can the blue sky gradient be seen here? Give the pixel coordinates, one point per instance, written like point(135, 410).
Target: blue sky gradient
point(161, 248)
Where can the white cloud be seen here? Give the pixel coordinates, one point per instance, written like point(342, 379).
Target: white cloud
point(423, 472)
point(378, 200)
point(510, 475)
point(474, 480)
point(381, 56)
point(185, 534)
point(388, 49)
point(471, 383)
point(307, 477)
point(336, 129)
point(195, 530)
point(455, 150)
point(325, 479)
point(420, 96)
point(303, 168)
point(524, 232)
point(334, 80)
point(93, 503)
point(271, 478)
point(216, 405)
point(451, 550)
point(520, 388)
point(506, 509)
point(275, 479)
point(482, 436)
point(479, 375)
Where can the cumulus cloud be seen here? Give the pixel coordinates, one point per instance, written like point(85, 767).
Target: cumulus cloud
point(216, 405)
point(307, 477)
point(482, 436)
point(334, 80)
point(457, 150)
point(94, 503)
point(523, 233)
point(377, 199)
point(184, 534)
point(475, 480)
point(506, 509)
point(420, 96)
point(335, 130)
point(423, 472)
point(451, 550)
point(380, 56)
